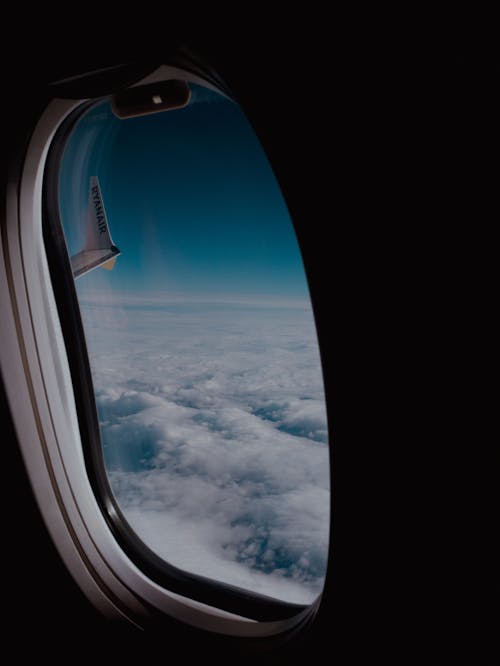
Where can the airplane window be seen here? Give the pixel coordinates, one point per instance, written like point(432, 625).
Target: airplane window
point(201, 343)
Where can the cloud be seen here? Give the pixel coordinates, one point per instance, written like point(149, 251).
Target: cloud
point(214, 432)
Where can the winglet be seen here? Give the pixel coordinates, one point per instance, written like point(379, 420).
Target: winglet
point(99, 249)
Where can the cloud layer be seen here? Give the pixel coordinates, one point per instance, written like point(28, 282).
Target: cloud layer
point(214, 432)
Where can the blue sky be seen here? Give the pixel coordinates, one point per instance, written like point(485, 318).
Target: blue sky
point(191, 199)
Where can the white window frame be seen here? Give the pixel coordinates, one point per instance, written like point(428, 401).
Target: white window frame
point(40, 395)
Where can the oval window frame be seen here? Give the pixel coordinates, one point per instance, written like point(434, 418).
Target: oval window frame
point(133, 592)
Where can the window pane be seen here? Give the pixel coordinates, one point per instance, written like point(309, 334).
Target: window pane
point(202, 344)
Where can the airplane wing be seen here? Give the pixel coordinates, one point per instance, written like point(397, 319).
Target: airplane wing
point(99, 249)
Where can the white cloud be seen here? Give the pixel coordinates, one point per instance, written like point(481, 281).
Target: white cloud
point(214, 430)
